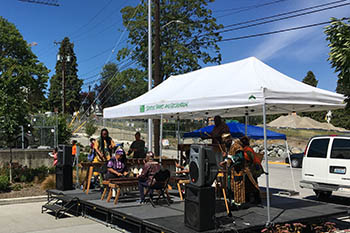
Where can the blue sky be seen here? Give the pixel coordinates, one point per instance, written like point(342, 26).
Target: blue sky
point(292, 53)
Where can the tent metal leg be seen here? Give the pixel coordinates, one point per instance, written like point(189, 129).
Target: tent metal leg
point(161, 138)
point(246, 124)
point(267, 169)
point(178, 139)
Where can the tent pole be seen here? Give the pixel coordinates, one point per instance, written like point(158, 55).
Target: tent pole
point(178, 139)
point(246, 124)
point(267, 168)
point(290, 165)
point(161, 138)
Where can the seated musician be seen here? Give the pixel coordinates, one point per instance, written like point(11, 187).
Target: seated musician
point(150, 168)
point(184, 171)
point(116, 167)
point(184, 168)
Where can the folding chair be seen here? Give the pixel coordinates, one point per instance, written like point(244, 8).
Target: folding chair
point(159, 183)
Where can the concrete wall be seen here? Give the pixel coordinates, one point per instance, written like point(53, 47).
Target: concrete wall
point(32, 158)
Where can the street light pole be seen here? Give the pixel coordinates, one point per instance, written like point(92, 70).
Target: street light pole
point(149, 69)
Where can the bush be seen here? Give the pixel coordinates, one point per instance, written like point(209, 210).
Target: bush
point(49, 182)
point(90, 128)
point(17, 187)
point(83, 157)
point(25, 174)
point(4, 183)
point(52, 170)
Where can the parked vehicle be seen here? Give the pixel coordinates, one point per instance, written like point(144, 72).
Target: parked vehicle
point(326, 165)
point(297, 159)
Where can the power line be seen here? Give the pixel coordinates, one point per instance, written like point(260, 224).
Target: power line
point(239, 10)
point(97, 55)
point(91, 19)
point(117, 43)
point(275, 32)
point(109, 82)
point(47, 2)
point(98, 23)
point(104, 101)
point(283, 18)
point(282, 14)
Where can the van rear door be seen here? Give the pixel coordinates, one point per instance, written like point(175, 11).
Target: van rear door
point(315, 161)
point(339, 162)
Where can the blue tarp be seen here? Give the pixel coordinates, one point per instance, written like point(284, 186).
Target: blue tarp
point(238, 130)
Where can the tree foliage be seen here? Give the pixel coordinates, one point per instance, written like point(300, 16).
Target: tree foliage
point(184, 46)
point(310, 79)
point(338, 36)
point(22, 81)
point(73, 83)
point(90, 128)
point(119, 87)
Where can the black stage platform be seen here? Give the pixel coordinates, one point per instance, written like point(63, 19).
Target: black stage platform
point(163, 218)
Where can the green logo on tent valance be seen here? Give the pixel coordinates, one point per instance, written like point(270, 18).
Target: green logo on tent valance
point(146, 108)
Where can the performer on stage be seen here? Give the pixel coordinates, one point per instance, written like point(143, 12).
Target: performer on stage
point(103, 151)
point(103, 146)
point(115, 166)
point(219, 129)
point(235, 165)
point(137, 147)
point(253, 164)
point(150, 168)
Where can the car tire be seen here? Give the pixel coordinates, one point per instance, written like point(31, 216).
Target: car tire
point(323, 195)
point(295, 163)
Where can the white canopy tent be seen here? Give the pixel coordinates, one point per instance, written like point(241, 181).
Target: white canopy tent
point(239, 88)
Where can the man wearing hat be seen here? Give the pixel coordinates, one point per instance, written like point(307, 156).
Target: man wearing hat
point(116, 166)
point(150, 168)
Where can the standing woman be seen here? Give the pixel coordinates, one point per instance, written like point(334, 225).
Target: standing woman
point(103, 151)
point(103, 147)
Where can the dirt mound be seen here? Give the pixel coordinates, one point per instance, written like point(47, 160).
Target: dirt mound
point(297, 122)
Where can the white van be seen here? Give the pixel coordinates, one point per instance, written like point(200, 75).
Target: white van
point(326, 165)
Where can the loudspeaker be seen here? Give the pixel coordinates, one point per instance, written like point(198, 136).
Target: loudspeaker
point(200, 208)
point(64, 157)
point(204, 165)
point(64, 178)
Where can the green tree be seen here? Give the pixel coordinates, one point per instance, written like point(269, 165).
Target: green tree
point(184, 46)
point(72, 83)
point(310, 79)
point(22, 81)
point(119, 87)
point(104, 89)
point(338, 36)
point(90, 128)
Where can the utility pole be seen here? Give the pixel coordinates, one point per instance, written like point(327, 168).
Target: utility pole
point(149, 69)
point(157, 76)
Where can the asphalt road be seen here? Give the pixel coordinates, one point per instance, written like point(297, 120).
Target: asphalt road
point(280, 177)
point(20, 218)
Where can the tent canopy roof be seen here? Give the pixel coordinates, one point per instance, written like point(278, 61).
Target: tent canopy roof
point(232, 89)
point(238, 130)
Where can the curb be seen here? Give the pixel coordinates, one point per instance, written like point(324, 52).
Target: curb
point(280, 163)
point(21, 200)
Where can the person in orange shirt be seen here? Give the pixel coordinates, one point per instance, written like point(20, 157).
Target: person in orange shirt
point(74, 151)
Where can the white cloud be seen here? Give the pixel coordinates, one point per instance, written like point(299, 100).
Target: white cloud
point(295, 42)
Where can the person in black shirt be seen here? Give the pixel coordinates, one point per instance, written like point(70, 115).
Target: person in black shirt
point(137, 147)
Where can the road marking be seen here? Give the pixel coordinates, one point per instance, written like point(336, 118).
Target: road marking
point(280, 163)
